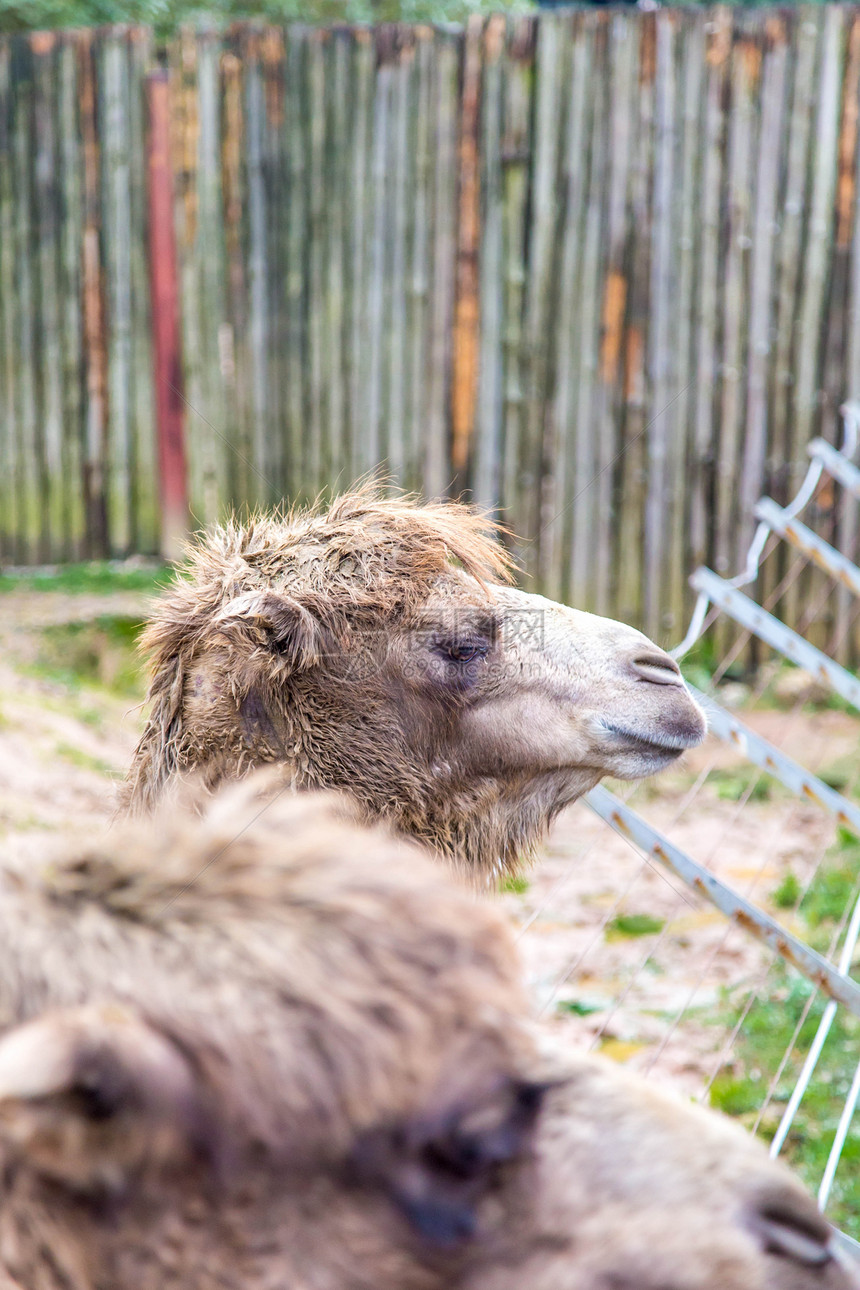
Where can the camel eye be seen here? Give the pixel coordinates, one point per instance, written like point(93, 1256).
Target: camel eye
point(465, 652)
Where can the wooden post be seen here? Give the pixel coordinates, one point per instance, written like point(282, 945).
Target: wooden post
point(164, 292)
point(95, 456)
point(466, 311)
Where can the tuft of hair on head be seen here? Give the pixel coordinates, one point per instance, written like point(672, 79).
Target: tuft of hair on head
point(412, 537)
point(433, 534)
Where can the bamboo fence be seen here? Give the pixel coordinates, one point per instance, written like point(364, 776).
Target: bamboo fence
point(595, 268)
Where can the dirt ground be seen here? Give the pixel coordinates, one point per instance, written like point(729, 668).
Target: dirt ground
point(649, 999)
point(653, 1000)
point(62, 748)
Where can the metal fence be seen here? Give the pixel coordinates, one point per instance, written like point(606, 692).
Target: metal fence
point(597, 267)
point(832, 974)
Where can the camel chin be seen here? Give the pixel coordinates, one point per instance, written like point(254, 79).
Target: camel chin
point(635, 754)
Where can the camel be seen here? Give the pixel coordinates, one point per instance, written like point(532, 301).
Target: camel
point(268, 1047)
point(375, 646)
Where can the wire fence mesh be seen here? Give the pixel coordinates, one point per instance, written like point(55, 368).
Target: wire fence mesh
point(757, 1012)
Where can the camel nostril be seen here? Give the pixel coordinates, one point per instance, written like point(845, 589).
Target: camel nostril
point(793, 1242)
point(656, 667)
point(790, 1226)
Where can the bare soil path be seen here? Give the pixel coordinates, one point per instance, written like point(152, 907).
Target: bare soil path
point(63, 746)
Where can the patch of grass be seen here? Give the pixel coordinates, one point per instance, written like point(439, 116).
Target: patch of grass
point(843, 775)
point(578, 1007)
point(167, 15)
point(96, 576)
point(767, 1030)
point(735, 1096)
point(846, 838)
point(787, 893)
point(833, 891)
point(743, 782)
point(785, 686)
point(703, 659)
point(100, 653)
point(835, 703)
point(626, 925)
point(90, 716)
point(31, 823)
point(77, 757)
point(839, 774)
point(516, 884)
point(741, 1089)
point(697, 674)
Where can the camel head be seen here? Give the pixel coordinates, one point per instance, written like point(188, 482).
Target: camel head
point(376, 646)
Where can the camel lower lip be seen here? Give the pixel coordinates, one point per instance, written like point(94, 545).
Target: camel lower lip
point(638, 743)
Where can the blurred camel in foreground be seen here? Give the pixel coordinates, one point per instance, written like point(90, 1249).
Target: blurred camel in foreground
point(267, 1047)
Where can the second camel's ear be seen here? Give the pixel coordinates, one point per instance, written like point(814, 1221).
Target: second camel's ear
point(438, 1167)
point(291, 629)
point(91, 1095)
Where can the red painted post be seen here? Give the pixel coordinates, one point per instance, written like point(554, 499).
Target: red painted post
point(164, 298)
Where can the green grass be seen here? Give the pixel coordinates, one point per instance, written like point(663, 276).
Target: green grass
point(627, 925)
point(100, 653)
point(787, 893)
point(89, 716)
point(702, 660)
point(514, 883)
point(166, 15)
point(741, 1088)
point(773, 697)
point(833, 890)
point(842, 774)
point(578, 1007)
point(77, 757)
point(94, 577)
point(742, 782)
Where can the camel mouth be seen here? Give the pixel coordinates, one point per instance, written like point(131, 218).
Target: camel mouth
point(666, 747)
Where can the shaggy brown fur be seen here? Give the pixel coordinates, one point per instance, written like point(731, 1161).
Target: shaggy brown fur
point(267, 1050)
point(368, 647)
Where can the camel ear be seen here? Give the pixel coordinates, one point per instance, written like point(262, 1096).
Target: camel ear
point(90, 1096)
point(273, 619)
point(438, 1168)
